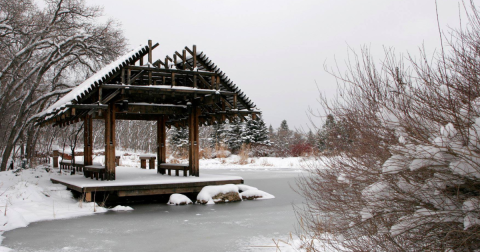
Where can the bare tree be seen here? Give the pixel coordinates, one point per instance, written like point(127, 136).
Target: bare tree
point(42, 54)
point(409, 179)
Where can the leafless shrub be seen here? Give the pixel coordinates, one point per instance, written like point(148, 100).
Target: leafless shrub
point(409, 179)
point(243, 154)
point(206, 152)
point(221, 151)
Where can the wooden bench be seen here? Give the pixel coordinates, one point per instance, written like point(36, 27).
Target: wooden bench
point(151, 161)
point(97, 171)
point(67, 165)
point(117, 160)
point(176, 167)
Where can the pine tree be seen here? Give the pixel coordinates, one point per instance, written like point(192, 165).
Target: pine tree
point(271, 132)
point(262, 135)
point(255, 131)
point(283, 139)
point(311, 138)
point(178, 139)
point(218, 134)
point(333, 131)
point(234, 135)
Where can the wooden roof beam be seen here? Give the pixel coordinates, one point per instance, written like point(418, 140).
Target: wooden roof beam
point(167, 89)
point(159, 70)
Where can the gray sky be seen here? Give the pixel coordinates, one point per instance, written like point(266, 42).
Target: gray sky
point(276, 50)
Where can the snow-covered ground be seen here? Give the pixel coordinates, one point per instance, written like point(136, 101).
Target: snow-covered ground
point(28, 195)
point(128, 158)
point(231, 162)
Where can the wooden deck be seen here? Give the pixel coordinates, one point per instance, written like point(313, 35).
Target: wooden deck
point(139, 182)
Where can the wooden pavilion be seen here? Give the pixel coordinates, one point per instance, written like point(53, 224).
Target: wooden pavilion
point(186, 90)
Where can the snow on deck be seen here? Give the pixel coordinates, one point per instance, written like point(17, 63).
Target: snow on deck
point(131, 176)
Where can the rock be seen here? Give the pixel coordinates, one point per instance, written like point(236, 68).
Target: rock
point(251, 197)
point(227, 197)
point(223, 198)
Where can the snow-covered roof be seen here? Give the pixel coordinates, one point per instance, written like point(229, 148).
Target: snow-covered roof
point(94, 81)
point(82, 100)
point(206, 64)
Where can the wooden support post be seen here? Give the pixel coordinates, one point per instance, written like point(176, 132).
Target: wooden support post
point(150, 62)
point(213, 82)
point(184, 59)
point(194, 56)
point(150, 51)
point(193, 157)
point(110, 142)
point(195, 85)
point(55, 158)
point(129, 76)
point(123, 76)
point(223, 109)
point(141, 61)
point(88, 197)
point(197, 142)
point(166, 63)
point(173, 79)
point(88, 142)
point(161, 143)
point(218, 82)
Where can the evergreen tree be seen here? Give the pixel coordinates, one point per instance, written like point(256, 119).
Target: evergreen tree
point(233, 136)
point(218, 134)
point(283, 139)
point(262, 135)
point(178, 139)
point(271, 132)
point(333, 133)
point(284, 126)
point(255, 131)
point(311, 138)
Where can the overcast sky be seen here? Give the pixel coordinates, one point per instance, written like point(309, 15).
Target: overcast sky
point(276, 50)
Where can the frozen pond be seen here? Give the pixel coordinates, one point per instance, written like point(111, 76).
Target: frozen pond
point(239, 226)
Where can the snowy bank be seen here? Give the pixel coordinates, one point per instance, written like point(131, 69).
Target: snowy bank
point(232, 162)
point(132, 159)
point(28, 196)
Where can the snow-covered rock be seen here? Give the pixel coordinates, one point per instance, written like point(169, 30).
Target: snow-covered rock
point(252, 194)
point(121, 208)
point(229, 193)
point(179, 199)
point(220, 193)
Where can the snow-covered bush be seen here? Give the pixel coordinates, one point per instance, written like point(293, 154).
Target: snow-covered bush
point(410, 179)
